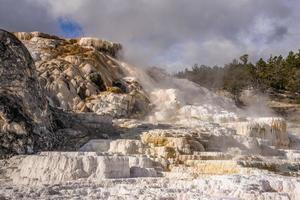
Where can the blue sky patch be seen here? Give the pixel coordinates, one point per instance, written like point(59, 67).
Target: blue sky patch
point(70, 28)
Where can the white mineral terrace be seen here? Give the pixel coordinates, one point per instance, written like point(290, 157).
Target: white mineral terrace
point(193, 145)
point(173, 163)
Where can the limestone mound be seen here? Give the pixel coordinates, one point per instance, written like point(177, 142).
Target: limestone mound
point(59, 167)
point(56, 167)
point(271, 129)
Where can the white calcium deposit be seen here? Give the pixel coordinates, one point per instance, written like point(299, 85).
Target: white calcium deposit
point(193, 144)
point(233, 187)
point(57, 167)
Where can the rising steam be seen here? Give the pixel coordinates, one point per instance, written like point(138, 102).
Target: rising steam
point(177, 100)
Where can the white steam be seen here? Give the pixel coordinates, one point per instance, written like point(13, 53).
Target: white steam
point(180, 100)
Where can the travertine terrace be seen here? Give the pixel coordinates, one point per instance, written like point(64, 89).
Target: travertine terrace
point(115, 131)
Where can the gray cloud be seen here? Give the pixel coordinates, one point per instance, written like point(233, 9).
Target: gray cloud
point(24, 15)
point(175, 33)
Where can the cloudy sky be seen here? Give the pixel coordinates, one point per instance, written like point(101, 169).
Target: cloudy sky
point(170, 33)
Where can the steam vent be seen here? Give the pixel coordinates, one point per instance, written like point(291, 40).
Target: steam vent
point(76, 122)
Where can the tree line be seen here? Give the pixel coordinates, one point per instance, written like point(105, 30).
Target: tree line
point(277, 74)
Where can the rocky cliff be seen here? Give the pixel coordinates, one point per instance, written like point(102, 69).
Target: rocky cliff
point(31, 95)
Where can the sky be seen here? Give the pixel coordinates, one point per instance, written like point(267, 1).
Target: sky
point(172, 34)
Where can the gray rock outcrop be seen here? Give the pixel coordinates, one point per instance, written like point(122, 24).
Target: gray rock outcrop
point(25, 119)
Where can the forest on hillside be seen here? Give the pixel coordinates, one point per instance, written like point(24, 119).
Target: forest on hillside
point(278, 74)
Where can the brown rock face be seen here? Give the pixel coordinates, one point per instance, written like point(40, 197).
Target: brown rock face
point(25, 120)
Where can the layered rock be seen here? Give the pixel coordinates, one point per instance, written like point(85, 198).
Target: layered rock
point(273, 130)
point(57, 167)
point(75, 72)
point(176, 146)
point(171, 143)
point(61, 167)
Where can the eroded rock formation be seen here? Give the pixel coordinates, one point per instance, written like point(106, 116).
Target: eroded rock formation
point(76, 72)
point(25, 122)
point(29, 118)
